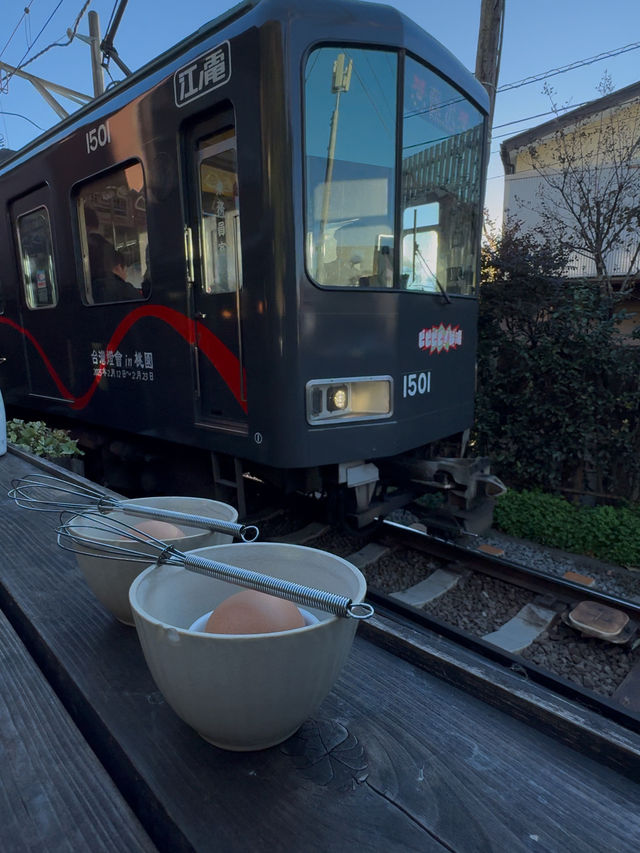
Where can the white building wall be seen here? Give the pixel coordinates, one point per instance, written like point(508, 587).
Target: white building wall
point(521, 197)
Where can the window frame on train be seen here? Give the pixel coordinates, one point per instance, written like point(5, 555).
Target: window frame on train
point(221, 255)
point(45, 276)
point(110, 249)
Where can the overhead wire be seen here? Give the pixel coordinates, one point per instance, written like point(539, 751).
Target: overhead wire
point(42, 29)
point(555, 112)
point(501, 89)
point(580, 63)
point(537, 115)
point(369, 96)
point(27, 30)
point(536, 78)
point(15, 30)
point(19, 115)
point(112, 16)
point(23, 63)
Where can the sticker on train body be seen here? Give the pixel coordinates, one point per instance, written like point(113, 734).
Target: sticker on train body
point(202, 75)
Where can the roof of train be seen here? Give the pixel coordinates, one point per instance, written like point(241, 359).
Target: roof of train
point(144, 77)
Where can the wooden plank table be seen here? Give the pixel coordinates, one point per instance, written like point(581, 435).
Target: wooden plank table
point(394, 760)
point(55, 793)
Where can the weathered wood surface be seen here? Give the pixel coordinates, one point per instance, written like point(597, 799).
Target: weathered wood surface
point(55, 794)
point(576, 725)
point(395, 760)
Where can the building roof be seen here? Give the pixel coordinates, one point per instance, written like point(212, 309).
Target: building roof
point(540, 131)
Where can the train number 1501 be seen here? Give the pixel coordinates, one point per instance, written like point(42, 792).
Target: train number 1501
point(416, 383)
point(98, 137)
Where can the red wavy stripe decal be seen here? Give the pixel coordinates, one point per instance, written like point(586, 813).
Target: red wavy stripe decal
point(59, 384)
point(220, 356)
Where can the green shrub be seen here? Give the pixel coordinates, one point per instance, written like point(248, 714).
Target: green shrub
point(558, 402)
point(606, 532)
point(41, 440)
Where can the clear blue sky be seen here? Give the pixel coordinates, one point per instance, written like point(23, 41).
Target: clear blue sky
point(538, 38)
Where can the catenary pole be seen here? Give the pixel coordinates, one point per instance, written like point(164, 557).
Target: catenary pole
point(96, 56)
point(490, 48)
point(488, 58)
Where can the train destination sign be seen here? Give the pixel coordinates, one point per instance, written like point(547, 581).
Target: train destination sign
point(204, 74)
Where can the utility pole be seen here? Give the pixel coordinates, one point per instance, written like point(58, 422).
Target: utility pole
point(47, 89)
point(96, 56)
point(340, 82)
point(93, 40)
point(490, 48)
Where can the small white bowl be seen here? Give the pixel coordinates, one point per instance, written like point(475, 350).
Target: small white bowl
point(244, 691)
point(110, 579)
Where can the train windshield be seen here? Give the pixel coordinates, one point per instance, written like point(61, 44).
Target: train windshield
point(379, 215)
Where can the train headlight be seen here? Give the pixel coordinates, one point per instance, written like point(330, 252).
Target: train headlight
point(337, 398)
point(350, 399)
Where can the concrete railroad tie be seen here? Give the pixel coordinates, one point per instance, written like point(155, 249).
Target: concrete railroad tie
point(438, 582)
point(514, 636)
point(520, 631)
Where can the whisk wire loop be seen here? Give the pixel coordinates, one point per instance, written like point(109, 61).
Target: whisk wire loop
point(45, 493)
point(35, 492)
point(95, 535)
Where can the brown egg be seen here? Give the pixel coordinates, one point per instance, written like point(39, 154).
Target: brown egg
point(159, 529)
point(253, 612)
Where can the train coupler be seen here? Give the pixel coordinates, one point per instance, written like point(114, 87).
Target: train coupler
point(468, 488)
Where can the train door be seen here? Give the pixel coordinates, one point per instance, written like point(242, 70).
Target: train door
point(214, 230)
point(37, 280)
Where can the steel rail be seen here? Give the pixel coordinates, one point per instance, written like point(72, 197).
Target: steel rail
point(407, 617)
point(520, 575)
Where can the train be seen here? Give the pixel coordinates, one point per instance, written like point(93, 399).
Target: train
point(263, 246)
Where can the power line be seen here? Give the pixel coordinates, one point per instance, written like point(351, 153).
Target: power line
point(24, 14)
point(112, 16)
point(19, 115)
point(42, 29)
point(71, 37)
point(538, 115)
point(580, 63)
point(537, 78)
point(554, 71)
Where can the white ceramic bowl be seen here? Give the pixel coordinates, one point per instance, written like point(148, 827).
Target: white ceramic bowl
point(245, 691)
point(109, 580)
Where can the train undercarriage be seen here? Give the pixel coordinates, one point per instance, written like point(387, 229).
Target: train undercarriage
point(457, 494)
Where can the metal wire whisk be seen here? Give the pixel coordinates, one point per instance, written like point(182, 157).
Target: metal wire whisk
point(98, 536)
point(47, 494)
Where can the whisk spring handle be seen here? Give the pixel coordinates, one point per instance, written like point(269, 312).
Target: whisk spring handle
point(338, 605)
point(246, 532)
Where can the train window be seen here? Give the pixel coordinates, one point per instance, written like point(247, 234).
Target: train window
point(442, 141)
point(112, 222)
point(350, 138)
point(219, 213)
point(36, 255)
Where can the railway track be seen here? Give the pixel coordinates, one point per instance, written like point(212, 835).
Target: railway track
point(579, 643)
point(514, 616)
point(441, 606)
